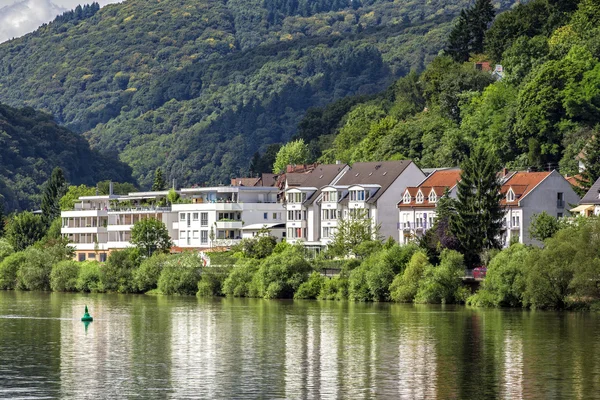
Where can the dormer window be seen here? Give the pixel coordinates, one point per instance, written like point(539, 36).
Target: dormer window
point(406, 199)
point(420, 197)
point(432, 197)
point(357, 195)
point(510, 196)
point(329, 197)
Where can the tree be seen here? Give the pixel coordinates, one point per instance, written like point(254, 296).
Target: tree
point(1, 216)
point(25, 229)
point(295, 152)
point(151, 235)
point(544, 226)
point(173, 196)
point(478, 222)
point(159, 182)
point(353, 232)
point(468, 34)
point(67, 202)
point(591, 161)
point(56, 188)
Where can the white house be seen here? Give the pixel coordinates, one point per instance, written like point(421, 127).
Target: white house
point(417, 207)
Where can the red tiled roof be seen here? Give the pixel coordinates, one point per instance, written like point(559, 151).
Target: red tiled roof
point(438, 181)
point(521, 184)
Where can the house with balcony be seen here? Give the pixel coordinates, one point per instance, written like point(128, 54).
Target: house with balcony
point(217, 216)
point(526, 194)
point(302, 210)
point(417, 207)
point(590, 203)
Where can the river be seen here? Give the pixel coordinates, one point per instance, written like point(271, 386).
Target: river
point(182, 347)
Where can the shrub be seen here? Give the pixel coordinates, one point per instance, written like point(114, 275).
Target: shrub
point(405, 285)
point(238, 282)
point(505, 280)
point(180, 275)
point(89, 279)
point(211, 281)
point(311, 288)
point(335, 288)
point(117, 273)
point(6, 248)
point(442, 284)
point(63, 277)
point(34, 273)
point(280, 274)
point(8, 270)
point(146, 276)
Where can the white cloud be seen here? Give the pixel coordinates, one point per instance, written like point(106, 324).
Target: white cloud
point(20, 17)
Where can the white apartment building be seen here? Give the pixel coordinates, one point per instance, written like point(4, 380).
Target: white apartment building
point(418, 205)
point(525, 194)
point(367, 189)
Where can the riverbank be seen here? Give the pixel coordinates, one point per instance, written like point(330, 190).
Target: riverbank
point(562, 275)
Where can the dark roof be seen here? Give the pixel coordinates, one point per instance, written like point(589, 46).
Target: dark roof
point(321, 176)
point(295, 178)
point(592, 196)
point(382, 173)
point(269, 179)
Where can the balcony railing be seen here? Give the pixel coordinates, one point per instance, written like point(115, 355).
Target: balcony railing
point(413, 225)
point(138, 209)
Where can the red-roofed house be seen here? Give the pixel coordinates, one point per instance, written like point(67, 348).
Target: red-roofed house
point(418, 205)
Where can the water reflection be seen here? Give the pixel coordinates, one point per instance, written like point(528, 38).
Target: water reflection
point(183, 347)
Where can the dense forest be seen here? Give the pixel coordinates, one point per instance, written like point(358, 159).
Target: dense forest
point(32, 144)
point(540, 115)
point(197, 87)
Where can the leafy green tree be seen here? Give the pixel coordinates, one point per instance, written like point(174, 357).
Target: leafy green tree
point(180, 275)
point(90, 277)
point(405, 285)
point(56, 188)
point(67, 202)
point(239, 281)
point(443, 283)
point(478, 222)
point(150, 235)
point(117, 274)
point(295, 152)
point(63, 277)
point(9, 267)
point(544, 226)
point(24, 229)
point(147, 275)
point(6, 249)
point(311, 288)
point(353, 232)
point(159, 182)
point(173, 196)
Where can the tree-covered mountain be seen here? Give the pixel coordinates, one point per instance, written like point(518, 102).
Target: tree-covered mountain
point(540, 115)
point(197, 86)
point(32, 144)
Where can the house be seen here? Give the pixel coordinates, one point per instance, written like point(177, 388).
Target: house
point(526, 194)
point(590, 203)
point(417, 209)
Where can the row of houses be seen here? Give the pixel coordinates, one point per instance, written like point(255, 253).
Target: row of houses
point(305, 205)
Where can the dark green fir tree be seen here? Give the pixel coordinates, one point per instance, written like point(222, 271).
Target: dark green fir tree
point(467, 36)
point(591, 162)
point(477, 224)
point(56, 187)
point(159, 181)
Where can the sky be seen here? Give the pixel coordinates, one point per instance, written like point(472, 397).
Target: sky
point(18, 17)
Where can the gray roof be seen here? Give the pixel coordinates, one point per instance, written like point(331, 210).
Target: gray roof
point(321, 176)
point(382, 173)
point(295, 178)
point(591, 197)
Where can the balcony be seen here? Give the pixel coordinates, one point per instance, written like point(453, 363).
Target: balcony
point(229, 224)
point(413, 226)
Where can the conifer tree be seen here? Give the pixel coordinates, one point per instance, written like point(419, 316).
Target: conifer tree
point(1, 216)
point(467, 36)
point(478, 221)
point(159, 181)
point(56, 188)
point(591, 161)
point(482, 15)
point(460, 36)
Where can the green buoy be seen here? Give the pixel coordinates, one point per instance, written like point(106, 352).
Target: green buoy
point(87, 317)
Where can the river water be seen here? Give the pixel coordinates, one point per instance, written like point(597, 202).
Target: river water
point(184, 347)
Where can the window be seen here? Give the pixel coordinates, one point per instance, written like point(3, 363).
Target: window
point(432, 197)
point(91, 256)
point(420, 197)
point(357, 195)
point(296, 197)
point(330, 197)
point(276, 216)
point(406, 199)
point(515, 221)
point(203, 237)
point(204, 219)
point(189, 220)
point(182, 235)
point(195, 234)
point(510, 196)
point(325, 232)
point(195, 216)
point(265, 216)
point(182, 217)
point(102, 257)
point(81, 257)
point(560, 202)
point(559, 215)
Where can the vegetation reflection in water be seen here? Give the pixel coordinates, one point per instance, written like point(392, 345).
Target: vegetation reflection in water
point(178, 347)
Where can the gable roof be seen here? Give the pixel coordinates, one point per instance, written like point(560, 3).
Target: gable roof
point(438, 181)
point(322, 175)
point(593, 195)
point(383, 173)
point(522, 183)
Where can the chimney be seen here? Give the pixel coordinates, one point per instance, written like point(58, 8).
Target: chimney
point(110, 188)
point(504, 172)
point(174, 184)
point(337, 162)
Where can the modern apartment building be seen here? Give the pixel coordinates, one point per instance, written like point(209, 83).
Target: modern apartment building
point(335, 192)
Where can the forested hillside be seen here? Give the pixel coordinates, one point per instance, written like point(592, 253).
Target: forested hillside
point(540, 116)
point(197, 86)
point(32, 144)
